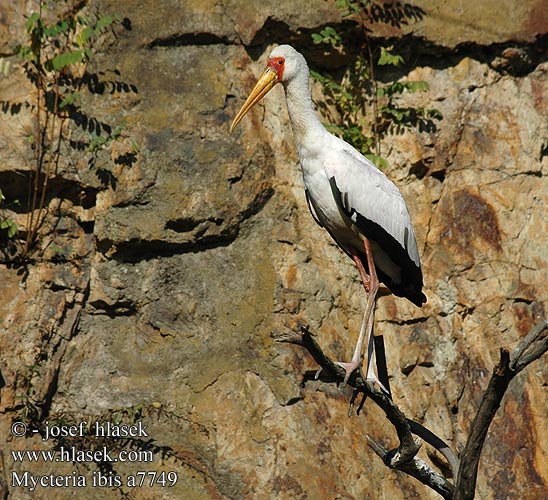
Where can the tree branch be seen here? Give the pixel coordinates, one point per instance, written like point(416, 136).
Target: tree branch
point(402, 458)
point(437, 443)
point(534, 345)
point(418, 469)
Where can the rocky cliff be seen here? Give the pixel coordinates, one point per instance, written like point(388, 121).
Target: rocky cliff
point(167, 259)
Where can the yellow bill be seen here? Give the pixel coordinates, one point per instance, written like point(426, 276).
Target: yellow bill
point(263, 86)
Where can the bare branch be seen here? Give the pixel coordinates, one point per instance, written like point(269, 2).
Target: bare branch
point(437, 443)
point(402, 458)
point(534, 345)
point(288, 336)
point(416, 468)
point(3, 479)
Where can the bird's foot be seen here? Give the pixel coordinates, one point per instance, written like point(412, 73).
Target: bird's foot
point(370, 379)
point(349, 368)
point(373, 380)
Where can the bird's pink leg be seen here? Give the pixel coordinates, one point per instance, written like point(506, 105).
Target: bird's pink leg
point(373, 289)
point(363, 275)
point(371, 284)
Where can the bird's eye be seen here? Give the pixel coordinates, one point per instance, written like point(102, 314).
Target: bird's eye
point(280, 62)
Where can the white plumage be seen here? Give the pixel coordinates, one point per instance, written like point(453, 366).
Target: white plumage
point(354, 201)
point(342, 170)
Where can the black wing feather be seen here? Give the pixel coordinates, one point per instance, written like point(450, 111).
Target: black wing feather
point(411, 274)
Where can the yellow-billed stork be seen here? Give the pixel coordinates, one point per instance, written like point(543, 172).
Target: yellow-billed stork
point(356, 203)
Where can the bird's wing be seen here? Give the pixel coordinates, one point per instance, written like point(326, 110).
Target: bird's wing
point(372, 201)
point(312, 208)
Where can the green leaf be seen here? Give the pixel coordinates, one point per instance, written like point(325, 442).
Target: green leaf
point(9, 226)
point(12, 231)
point(118, 131)
point(317, 76)
point(97, 142)
point(102, 23)
point(350, 6)
point(66, 59)
point(326, 81)
point(397, 88)
point(25, 53)
point(435, 113)
point(418, 86)
point(334, 129)
point(68, 100)
point(328, 35)
point(83, 37)
point(58, 28)
point(32, 21)
point(317, 39)
point(387, 58)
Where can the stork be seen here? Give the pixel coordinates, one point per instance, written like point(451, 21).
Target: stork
point(356, 203)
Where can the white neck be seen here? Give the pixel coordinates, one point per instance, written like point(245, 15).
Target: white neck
point(301, 109)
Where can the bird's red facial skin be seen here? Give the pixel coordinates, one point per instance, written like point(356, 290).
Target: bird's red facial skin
point(277, 64)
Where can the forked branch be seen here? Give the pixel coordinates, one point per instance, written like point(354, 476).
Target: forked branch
point(404, 458)
point(532, 347)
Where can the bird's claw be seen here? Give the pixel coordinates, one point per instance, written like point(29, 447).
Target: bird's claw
point(353, 400)
point(370, 379)
point(348, 368)
point(373, 380)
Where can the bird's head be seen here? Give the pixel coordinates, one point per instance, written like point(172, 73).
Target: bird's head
point(284, 64)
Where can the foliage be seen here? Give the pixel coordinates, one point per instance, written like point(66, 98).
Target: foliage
point(327, 35)
point(55, 58)
point(27, 401)
point(7, 225)
point(364, 103)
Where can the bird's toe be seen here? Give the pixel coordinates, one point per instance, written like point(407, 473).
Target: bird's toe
point(349, 368)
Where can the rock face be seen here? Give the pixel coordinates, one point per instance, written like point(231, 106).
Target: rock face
point(167, 264)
